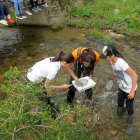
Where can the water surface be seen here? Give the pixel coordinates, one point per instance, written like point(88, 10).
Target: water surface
point(22, 47)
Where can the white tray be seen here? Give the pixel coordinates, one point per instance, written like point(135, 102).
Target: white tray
point(90, 84)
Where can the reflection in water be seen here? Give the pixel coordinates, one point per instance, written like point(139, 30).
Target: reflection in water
point(24, 46)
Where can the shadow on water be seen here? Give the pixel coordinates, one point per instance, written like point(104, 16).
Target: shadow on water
point(24, 46)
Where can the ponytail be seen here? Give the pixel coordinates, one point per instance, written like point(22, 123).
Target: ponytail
point(111, 49)
point(63, 56)
point(57, 58)
point(118, 54)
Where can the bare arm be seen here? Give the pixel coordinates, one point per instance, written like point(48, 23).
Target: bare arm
point(69, 69)
point(48, 85)
point(134, 82)
point(91, 75)
point(95, 66)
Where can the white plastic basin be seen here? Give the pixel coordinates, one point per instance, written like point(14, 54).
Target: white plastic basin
point(86, 83)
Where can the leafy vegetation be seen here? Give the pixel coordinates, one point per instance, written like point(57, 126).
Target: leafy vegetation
point(96, 34)
point(107, 38)
point(20, 118)
point(121, 16)
point(57, 26)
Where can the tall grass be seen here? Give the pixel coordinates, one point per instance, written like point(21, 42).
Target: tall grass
point(118, 15)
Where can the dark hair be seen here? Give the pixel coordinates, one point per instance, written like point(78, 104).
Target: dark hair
point(90, 57)
point(114, 51)
point(64, 56)
point(118, 54)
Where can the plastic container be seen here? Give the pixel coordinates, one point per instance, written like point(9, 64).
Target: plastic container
point(86, 84)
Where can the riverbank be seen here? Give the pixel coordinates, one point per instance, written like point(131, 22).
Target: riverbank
point(122, 17)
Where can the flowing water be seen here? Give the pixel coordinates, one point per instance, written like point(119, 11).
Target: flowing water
point(22, 47)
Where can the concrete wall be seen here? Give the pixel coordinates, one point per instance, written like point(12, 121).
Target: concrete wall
point(45, 17)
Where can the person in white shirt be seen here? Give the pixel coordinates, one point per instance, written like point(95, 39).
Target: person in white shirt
point(46, 70)
point(127, 80)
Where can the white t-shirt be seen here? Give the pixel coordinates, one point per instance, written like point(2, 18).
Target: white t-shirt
point(43, 69)
point(123, 78)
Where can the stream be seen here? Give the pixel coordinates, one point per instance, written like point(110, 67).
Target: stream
point(23, 46)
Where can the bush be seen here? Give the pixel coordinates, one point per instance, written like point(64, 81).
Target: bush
point(20, 120)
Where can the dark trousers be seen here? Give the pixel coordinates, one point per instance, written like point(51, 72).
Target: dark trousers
point(41, 96)
point(26, 4)
point(34, 3)
point(1, 12)
point(43, 2)
point(129, 102)
point(78, 70)
point(5, 8)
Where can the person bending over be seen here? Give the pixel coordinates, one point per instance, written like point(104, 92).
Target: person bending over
point(85, 61)
point(46, 70)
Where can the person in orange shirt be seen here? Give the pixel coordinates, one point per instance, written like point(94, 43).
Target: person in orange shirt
point(85, 61)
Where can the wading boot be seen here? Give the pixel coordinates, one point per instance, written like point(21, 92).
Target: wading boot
point(53, 110)
point(121, 111)
point(89, 93)
point(36, 120)
point(129, 130)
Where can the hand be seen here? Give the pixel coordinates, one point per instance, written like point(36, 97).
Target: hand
point(131, 95)
point(65, 86)
point(90, 77)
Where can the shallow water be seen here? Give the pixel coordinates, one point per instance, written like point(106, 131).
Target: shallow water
point(24, 46)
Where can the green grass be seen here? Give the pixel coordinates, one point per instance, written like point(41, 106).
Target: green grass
point(96, 34)
point(107, 14)
point(107, 38)
point(57, 26)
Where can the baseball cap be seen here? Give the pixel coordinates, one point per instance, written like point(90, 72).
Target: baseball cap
point(108, 50)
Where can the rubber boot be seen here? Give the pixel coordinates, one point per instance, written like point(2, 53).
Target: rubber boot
point(35, 119)
point(121, 111)
point(52, 104)
point(54, 112)
point(129, 130)
point(89, 93)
